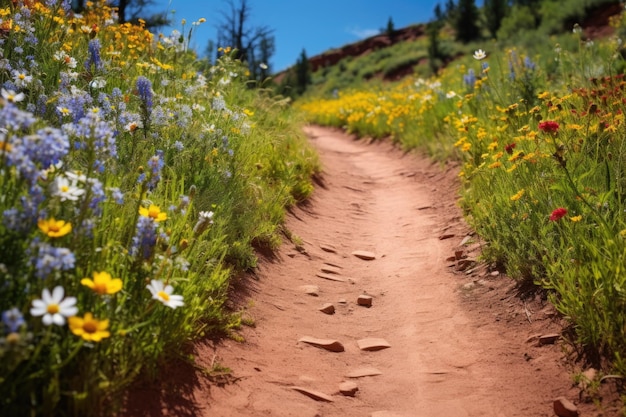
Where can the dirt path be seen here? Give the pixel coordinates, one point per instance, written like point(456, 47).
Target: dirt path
point(461, 342)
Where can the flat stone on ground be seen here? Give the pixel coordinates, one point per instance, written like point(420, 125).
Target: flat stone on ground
point(565, 408)
point(446, 236)
point(385, 413)
point(330, 269)
point(365, 255)
point(373, 344)
point(328, 308)
point(364, 300)
point(310, 290)
point(316, 395)
point(330, 277)
point(348, 388)
point(328, 344)
point(328, 248)
point(361, 372)
point(548, 339)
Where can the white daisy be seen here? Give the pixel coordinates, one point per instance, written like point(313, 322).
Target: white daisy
point(21, 78)
point(12, 96)
point(67, 190)
point(53, 307)
point(480, 54)
point(163, 293)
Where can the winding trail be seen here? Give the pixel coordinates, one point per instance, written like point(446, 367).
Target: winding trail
point(461, 342)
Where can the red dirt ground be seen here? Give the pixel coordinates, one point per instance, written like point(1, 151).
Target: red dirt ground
point(463, 338)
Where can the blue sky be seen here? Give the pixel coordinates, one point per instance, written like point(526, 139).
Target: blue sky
point(313, 25)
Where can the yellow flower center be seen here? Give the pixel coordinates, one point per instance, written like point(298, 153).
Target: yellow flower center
point(154, 212)
point(163, 295)
point(65, 188)
point(90, 326)
point(53, 308)
point(100, 287)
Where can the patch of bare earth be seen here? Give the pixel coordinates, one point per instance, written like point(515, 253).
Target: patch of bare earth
point(445, 335)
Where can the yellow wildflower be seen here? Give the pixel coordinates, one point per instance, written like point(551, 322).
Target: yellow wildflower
point(102, 283)
point(89, 328)
point(512, 168)
point(54, 228)
point(576, 218)
point(518, 195)
point(153, 212)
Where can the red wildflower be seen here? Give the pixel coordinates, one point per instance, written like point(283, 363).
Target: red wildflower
point(549, 126)
point(509, 148)
point(558, 214)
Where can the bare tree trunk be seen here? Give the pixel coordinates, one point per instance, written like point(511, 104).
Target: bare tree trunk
point(121, 11)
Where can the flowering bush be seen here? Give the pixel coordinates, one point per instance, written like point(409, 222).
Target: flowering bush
point(131, 187)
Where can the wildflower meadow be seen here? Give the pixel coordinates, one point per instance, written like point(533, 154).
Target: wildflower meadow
point(540, 135)
point(133, 187)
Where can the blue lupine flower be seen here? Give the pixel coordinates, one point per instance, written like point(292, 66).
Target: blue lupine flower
point(156, 164)
point(105, 104)
point(48, 259)
point(117, 195)
point(91, 130)
point(76, 101)
point(529, 64)
point(11, 219)
point(14, 119)
point(126, 118)
point(470, 78)
point(33, 153)
point(13, 319)
point(145, 238)
point(94, 56)
point(47, 147)
point(42, 104)
point(511, 70)
point(96, 194)
point(159, 116)
point(144, 90)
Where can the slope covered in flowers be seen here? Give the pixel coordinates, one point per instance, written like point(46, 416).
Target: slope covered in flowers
point(132, 186)
point(541, 138)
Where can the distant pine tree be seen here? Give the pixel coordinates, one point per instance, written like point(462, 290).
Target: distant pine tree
point(391, 30)
point(303, 73)
point(466, 21)
point(495, 11)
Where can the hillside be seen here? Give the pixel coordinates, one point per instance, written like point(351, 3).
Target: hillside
point(406, 52)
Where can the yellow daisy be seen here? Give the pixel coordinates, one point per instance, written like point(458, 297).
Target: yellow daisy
point(154, 212)
point(54, 228)
point(89, 328)
point(102, 283)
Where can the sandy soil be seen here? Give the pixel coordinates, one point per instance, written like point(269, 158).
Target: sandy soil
point(457, 337)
